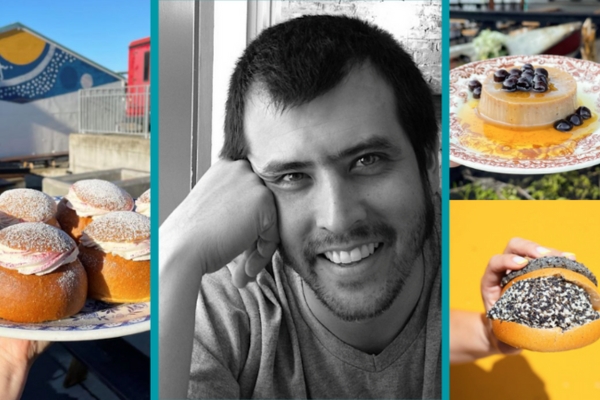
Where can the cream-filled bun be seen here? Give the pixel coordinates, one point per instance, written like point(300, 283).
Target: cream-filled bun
point(142, 204)
point(26, 205)
point(115, 251)
point(41, 278)
point(88, 199)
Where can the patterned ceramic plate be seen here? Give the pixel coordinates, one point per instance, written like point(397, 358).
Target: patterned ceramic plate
point(97, 320)
point(586, 152)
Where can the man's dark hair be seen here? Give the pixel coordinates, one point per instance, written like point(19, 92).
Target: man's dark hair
point(299, 60)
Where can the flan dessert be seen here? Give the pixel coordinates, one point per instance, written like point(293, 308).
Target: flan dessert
point(529, 109)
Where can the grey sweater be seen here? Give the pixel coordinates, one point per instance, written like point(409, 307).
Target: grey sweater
point(263, 342)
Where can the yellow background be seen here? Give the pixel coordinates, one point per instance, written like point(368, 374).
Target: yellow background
point(480, 229)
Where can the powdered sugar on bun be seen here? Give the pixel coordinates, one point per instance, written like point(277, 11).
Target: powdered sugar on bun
point(25, 205)
point(142, 204)
point(35, 248)
point(123, 233)
point(94, 197)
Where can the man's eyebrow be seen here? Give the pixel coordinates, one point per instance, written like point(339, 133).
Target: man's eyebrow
point(277, 167)
point(376, 143)
point(371, 144)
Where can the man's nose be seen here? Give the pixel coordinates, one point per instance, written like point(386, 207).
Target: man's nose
point(338, 204)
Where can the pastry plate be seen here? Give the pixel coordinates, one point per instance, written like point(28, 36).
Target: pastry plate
point(587, 151)
point(97, 320)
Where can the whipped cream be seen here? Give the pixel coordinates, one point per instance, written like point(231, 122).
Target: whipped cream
point(142, 208)
point(81, 208)
point(84, 209)
point(136, 251)
point(38, 263)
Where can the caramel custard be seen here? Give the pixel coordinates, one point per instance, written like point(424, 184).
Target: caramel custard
point(520, 143)
point(529, 109)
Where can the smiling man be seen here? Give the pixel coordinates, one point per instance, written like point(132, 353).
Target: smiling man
point(323, 209)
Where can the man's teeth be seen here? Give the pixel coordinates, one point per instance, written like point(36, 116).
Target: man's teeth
point(347, 257)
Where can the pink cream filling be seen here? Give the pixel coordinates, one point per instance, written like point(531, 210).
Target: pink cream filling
point(38, 263)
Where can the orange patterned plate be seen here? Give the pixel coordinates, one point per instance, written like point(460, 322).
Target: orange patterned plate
point(480, 145)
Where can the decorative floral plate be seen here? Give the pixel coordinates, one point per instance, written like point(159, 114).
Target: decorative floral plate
point(586, 152)
point(97, 320)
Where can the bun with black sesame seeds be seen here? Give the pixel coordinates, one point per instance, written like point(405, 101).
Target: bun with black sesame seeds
point(550, 305)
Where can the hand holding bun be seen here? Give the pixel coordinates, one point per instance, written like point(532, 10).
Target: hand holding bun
point(550, 305)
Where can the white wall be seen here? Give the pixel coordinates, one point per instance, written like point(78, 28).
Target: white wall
point(39, 127)
point(230, 42)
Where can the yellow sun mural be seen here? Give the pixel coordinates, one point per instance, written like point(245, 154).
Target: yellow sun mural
point(20, 48)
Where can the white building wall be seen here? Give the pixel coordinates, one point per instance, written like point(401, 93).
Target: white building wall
point(41, 126)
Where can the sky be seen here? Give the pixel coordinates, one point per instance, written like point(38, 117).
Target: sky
point(100, 30)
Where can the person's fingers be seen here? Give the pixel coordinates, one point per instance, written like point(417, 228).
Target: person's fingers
point(39, 347)
point(527, 248)
point(264, 250)
point(516, 255)
point(268, 241)
point(237, 268)
point(271, 232)
point(248, 265)
point(497, 268)
point(499, 265)
point(454, 164)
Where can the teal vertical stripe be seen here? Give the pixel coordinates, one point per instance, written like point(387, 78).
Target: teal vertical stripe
point(154, 172)
point(445, 130)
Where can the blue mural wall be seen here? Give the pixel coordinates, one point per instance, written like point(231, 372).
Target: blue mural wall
point(32, 69)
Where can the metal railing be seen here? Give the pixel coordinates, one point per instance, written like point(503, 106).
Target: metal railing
point(115, 110)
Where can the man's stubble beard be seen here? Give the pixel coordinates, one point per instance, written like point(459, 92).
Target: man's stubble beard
point(377, 303)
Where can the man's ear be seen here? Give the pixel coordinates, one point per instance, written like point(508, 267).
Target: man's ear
point(433, 170)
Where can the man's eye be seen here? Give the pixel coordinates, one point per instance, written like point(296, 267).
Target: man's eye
point(367, 160)
point(291, 178)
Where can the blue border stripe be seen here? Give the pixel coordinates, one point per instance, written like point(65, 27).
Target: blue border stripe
point(445, 131)
point(154, 169)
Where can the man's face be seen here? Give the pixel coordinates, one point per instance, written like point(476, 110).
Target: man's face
point(350, 200)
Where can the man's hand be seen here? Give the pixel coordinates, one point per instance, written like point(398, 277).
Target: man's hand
point(514, 257)
point(230, 214)
point(229, 217)
point(16, 357)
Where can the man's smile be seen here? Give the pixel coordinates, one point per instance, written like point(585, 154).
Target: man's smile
point(351, 255)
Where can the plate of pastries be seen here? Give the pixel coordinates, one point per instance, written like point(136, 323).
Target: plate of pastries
point(75, 267)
